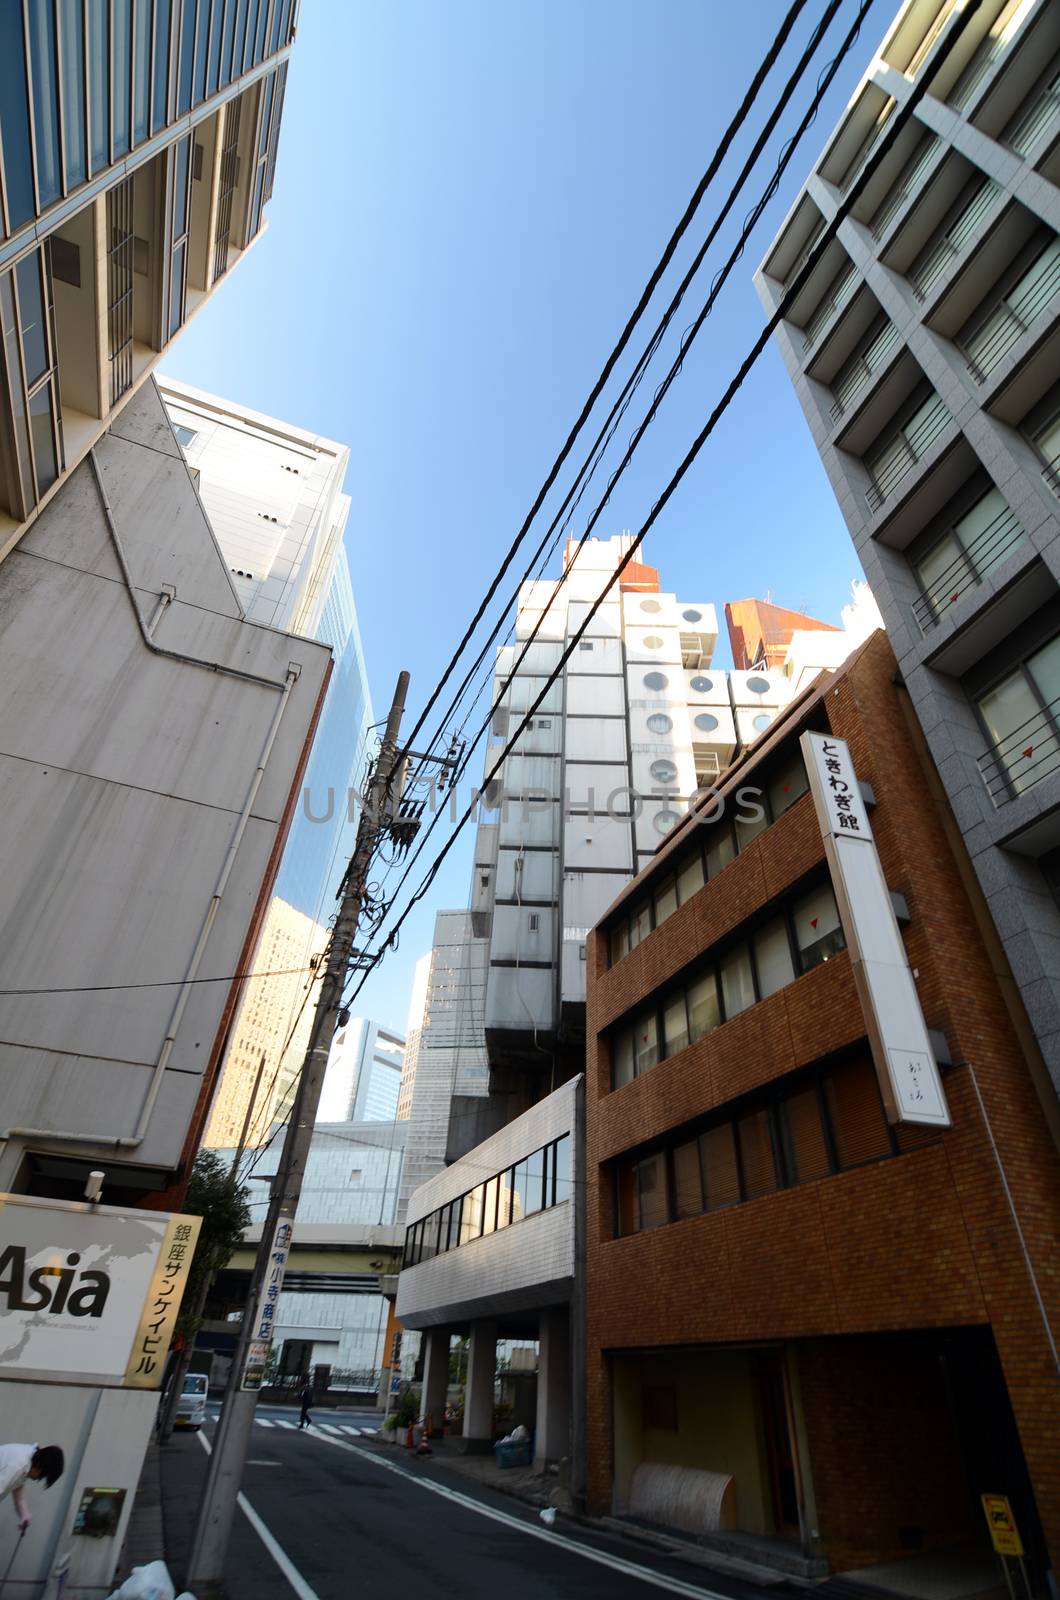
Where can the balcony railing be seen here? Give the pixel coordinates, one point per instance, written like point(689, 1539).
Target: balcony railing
point(1016, 315)
point(918, 441)
point(853, 377)
point(1036, 121)
point(1051, 474)
point(933, 262)
point(909, 184)
point(968, 569)
point(837, 296)
point(1023, 757)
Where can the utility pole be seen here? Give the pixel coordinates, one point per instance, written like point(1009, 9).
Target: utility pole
point(217, 1510)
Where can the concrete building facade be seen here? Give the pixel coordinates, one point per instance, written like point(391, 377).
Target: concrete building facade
point(274, 496)
point(490, 1254)
point(923, 350)
point(817, 1325)
point(334, 1309)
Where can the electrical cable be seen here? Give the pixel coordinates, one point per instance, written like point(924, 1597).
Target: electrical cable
point(162, 983)
point(649, 289)
point(611, 423)
point(790, 295)
point(824, 82)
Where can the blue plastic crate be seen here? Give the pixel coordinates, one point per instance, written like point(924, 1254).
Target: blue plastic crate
point(511, 1454)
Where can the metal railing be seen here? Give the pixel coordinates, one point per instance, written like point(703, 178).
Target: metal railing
point(1036, 121)
point(910, 183)
point(968, 569)
point(918, 441)
point(362, 1378)
point(976, 70)
point(842, 288)
point(1019, 316)
point(853, 377)
point(1051, 474)
point(1023, 757)
point(940, 253)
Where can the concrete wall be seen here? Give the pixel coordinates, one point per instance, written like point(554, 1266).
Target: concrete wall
point(123, 778)
point(523, 1265)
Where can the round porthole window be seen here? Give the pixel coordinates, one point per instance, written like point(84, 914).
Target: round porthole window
point(705, 722)
point(663, 771)
point(692, 616)
point(663, 821)
point(763, 719)
point(651, 606)
point(758, 685)
point(659, 722)
point(655, 680)
point(701, 685)
point(653, 641)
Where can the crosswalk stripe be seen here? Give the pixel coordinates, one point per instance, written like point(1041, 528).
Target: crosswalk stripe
point(262, 1423)
point(281, 1424)
point(356, 1432)
point(328, 1428)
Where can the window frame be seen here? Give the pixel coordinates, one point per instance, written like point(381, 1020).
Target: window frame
point(773, 1100)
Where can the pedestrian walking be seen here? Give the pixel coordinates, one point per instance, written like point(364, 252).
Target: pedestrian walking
point(306, 1398)
point(21, 1461)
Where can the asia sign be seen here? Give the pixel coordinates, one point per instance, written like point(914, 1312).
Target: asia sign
point(90, 1292)
point(898, 1035)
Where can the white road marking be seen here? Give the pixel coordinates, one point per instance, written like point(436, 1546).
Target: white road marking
point(356, 1432)
point(262, 1423)
point(281, 1424)
point(327, 1427)
point(534, 1531)
point(279, 1555)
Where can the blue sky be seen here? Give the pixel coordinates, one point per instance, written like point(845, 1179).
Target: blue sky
point(469, 199)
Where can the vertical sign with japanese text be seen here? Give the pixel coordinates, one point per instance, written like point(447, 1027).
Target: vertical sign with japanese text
point(264, 1313)
point(898, 1035)
point(158, 1320)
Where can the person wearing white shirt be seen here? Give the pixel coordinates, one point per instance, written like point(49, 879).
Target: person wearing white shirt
point(21, 1461)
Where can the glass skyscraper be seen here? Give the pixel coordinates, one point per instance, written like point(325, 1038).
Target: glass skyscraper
point(138, 146)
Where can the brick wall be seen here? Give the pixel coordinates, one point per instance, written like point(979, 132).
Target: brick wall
point(923, 1240)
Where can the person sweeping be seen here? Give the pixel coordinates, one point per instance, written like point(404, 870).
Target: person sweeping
point(21, 1461)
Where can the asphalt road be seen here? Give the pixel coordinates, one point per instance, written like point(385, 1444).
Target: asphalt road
point(333, 1516)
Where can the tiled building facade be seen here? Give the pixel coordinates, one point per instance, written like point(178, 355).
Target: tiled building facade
point(840, 1315)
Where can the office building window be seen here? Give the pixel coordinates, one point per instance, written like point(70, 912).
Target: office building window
point(798, 1130)
point(538, 1182)
point(803, 933)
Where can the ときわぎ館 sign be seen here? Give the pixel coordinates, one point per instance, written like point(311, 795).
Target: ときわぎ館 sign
point(90, 1293)
point(898, 1036)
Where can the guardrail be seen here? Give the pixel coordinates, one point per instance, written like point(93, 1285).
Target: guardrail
point(1024, 757)
point(918, 442)
point(1015, 324)
point(967, 570)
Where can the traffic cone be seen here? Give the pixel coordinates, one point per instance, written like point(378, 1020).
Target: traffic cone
point(409, 1439)
point(423, 1448)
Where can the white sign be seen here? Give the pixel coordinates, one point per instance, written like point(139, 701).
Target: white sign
point(89, 1292)
point(264, 1313)
point(898, 1035)
point(836, 790)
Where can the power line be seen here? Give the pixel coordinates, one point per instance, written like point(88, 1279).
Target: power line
point(627, 333)
point(823, 84)
point(596, 454)
point(791, 294)
point(162, 983)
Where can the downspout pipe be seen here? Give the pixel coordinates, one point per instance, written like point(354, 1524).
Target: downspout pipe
point(133, 1141)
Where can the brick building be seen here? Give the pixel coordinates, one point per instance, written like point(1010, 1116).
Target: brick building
point(839, 1314)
